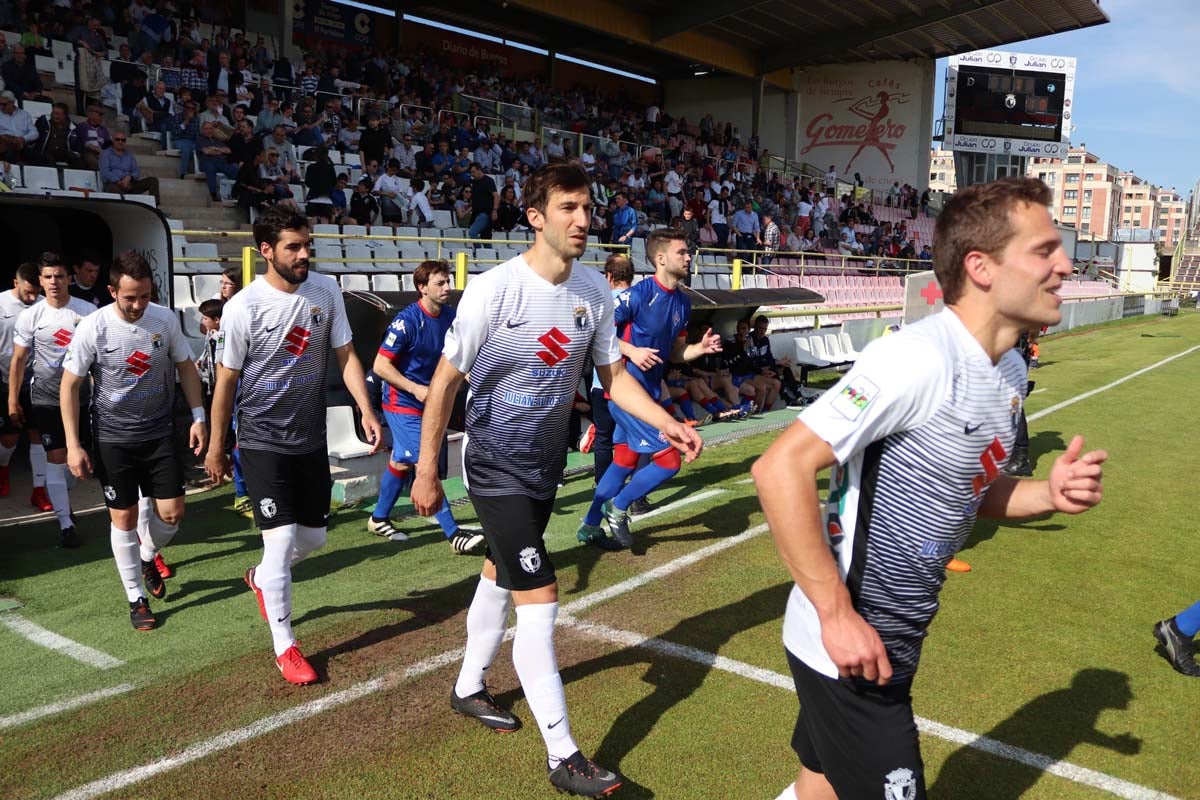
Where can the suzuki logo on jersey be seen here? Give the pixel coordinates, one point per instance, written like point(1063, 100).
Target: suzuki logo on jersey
point(553, 340)
point(990, 459)
point(62, 337)
point(296, 342)
point(139, 364)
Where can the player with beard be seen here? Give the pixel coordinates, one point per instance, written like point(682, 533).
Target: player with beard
point(133, 348)
point(279, 332)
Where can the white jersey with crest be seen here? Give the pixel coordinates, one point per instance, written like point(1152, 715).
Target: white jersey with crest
point(10, 309)
point(281, 342)
point(921, 426)
point(47, 332)
point(524, 342)
point(132, 365)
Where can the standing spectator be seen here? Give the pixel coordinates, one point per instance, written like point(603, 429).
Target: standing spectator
point(56, 138)
point(119, 171)
point(214, 159)
point(321, 180)
point(91, 46)
point(485, 204)
point(17, 130)
point(624, 220)
point(375, 143)
point(747, 229)
point(420, 209)
point(831, 180)
point(770, 238)
point(184, 129)
point(718, 216)
point(21, 77)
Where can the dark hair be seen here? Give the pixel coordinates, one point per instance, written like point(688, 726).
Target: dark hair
point(427, 269)
point(274, 220)
point(560, 176)
point(417, 185)
point(234, 274)
point(763, 319)
point(619, 268)
point(477, 165)
point(212, 308)
point(979, 218)
point(28, 272)
point(129, 264)
point(658, 240)
point(49, 257)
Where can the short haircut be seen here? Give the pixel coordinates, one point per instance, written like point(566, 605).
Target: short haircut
point(618, 268)
point(559, 176)
point(234, 274)
point(979, 218)
point(273, 221)
point(417, 185)
point(49, 257)
point(212, 308)
point(658, 241)
point(427, 269)
point(129, 264)
point(761, 319)
point(28, 272)
point(41, 265)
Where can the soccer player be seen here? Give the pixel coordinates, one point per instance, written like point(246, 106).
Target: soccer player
point(405, 363)
point(652, 313)
point(917, 433)
point(12, 302)
point(278, 335)
point(523, 331)
point(133, 349)
point(43, 332)
point(1176, 636)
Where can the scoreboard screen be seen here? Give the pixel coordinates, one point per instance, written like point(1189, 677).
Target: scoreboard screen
point(1009, 103)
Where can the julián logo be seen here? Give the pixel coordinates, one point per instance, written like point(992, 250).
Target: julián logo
point(877, 131)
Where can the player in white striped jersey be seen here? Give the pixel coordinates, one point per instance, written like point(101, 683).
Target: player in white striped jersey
point(918, 433)
point(279, 334)
point(132, 349)
point(524, 331)
point(12, 302)
point(44, 331)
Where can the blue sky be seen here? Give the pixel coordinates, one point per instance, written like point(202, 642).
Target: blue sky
point(1137, 100)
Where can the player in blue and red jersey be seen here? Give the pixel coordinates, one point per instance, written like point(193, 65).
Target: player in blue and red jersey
point(407, 358)
point(651, 314)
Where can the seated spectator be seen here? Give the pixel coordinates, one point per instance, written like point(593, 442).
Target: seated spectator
point(403, 153)
point(17, 130)
point(244, 145)
point(845, 247)
point(133, 92)
point(462, 207)
point(424, 162)
point(288, 161)
point(119, 171)
point(349, 136)
point(442, 161)
point(487, 155)
point(170, 75)
point(420, 209)
point(460, 167)
point(390, 191)
point(215, 115)
point(21, 77)
point(364, 208)
point(184, 129)
point(34, 43)
point(320, 179)
point(156, 109)
point(308, 125)
point(123, 67)
point(338, 197)
point(249, 189)
point(508, 215)
point(56, 140)
point(268, 117)
point(273, 176)
point(758, 348)
point(926, 254)
point(214, 159)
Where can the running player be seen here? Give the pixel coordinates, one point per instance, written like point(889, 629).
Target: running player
point(652, 313)
point(23, 294)
point(44, 330)
point(278, 335)
point(133, 348)
point(405, 363)
point(917, 433)
point(524, 330)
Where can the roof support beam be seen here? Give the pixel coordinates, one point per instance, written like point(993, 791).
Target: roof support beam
point(686, 16)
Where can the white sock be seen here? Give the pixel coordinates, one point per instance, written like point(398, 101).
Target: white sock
point(145, 511)
point(789, 793)
point(308, 541)
point(274, 578)
point(60, 498)
point(486, 619)
point(37, 460)
point(158, 535)
point(533, 656)
point(125, 552)
point(6, 454)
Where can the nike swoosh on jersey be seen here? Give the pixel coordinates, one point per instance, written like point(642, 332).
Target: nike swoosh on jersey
point(512, 324)
point(111, 349)
point(968, 430)
point(269, 330)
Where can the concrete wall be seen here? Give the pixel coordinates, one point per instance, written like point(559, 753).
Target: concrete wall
point(730, 100)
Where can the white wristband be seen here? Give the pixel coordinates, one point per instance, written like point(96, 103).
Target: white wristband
point(198, 414)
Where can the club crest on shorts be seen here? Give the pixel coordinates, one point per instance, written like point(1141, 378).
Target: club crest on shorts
point(46, 440)
point(268, 508)
point(110, 493)
point(581, 318)
point(317, 316)
point(530, 560)
point(900, 785)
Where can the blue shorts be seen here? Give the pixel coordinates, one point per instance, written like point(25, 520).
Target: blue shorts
point(635, 434)
point(738, 380)
point(406, 436)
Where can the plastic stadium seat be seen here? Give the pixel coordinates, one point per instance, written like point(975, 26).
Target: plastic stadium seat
point(343, 439)
point(40, 178)
point(364, 259)
point(443, 219)
point(406, 281)
point(805, 354)
point(206, 287)
point(81, 179)
point(385, 283)
point(354, 230)
point(356, 283)
point(182, 292)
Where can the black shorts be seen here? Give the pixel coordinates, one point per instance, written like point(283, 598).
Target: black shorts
point(7, 426)
point(862, 737)
point(47, 421)
point(125, 468)
point(288, 489)
point(514, 526)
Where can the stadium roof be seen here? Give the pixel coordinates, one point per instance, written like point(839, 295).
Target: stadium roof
point(751, 38)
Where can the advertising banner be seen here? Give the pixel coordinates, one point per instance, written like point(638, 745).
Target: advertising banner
point(322, 20)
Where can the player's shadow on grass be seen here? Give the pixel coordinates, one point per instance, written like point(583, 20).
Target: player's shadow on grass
point(1045, 444)
point(1046, 729)
point(674, 679)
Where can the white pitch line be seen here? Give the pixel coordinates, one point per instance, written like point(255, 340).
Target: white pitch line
point(1035, 391)
point(60, 644)
point(1079, 397)
point(1062, 769)
point(13, 720)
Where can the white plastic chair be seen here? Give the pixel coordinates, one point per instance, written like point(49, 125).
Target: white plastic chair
point(341, 435)
point(40, 178)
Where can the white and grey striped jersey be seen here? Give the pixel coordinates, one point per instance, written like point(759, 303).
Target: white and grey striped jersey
point(281, 342)
point(132, 365)
point(47, 332)
point(524, 342)
point(921, 426)
point(10, 309)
